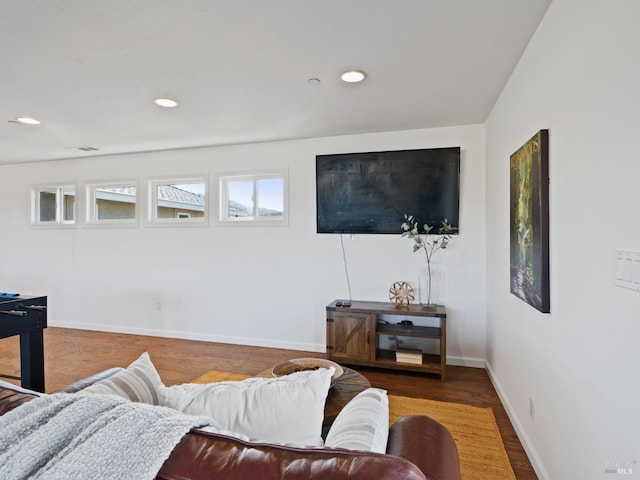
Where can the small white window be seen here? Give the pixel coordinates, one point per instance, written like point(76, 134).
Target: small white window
point(53, 205)
point(178, 201)
point(259, 198)
point(112, 203)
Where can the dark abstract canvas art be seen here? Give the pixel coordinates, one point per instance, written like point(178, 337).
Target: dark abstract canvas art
point(529, 231)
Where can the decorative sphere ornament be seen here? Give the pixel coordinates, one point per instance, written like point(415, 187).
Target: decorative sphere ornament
point(401, 294)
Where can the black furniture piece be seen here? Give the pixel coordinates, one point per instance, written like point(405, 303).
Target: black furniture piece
point(27, 317)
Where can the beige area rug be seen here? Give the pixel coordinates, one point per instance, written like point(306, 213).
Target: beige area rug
point(480, 448)
point(475, 431)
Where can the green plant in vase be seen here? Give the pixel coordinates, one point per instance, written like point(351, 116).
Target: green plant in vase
point(428, 242)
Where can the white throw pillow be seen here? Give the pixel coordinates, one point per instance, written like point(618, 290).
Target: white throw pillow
point(285, 410)
point(363, 424)
point(140, 382)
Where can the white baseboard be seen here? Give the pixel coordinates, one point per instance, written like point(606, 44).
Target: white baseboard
point(253, 342)
point(466, 362)
point(524, 439)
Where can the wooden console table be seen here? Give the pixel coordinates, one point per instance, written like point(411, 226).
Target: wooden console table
point(352, 335)
point(27, 317)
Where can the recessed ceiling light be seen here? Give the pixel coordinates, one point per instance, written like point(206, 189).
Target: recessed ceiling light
point(353, 76)
point(28, 120)
point(166, 102)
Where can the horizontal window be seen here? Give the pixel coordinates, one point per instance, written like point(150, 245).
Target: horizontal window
point(259, 198)
point(112, 203)
point(178, 201)
point(53, 205)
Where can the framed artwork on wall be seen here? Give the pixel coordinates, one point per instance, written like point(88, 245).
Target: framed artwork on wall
point(529, 218)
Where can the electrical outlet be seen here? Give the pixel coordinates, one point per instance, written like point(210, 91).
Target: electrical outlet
point(532, 409)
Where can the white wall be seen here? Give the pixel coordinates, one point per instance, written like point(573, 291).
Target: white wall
point(580, 78)
point(250, 285)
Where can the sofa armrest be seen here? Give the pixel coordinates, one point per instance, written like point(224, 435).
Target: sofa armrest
point(426, 443)
point(11, 398)
point(205, 455)
point(85, 382)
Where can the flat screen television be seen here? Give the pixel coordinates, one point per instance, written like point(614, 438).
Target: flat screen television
point(370, 192)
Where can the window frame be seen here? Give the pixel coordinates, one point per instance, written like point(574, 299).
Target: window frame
point(152, 218)
point(58, 189)
point(222, 181)
point(91, 207)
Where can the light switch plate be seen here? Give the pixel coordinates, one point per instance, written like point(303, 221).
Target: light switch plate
point(626, 269)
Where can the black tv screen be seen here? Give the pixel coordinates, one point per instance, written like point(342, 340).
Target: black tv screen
point(371, 192)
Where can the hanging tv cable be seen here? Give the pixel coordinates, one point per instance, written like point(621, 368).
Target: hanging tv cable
point(346, 270)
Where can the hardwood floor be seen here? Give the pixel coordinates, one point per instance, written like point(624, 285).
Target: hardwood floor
point(73, 354)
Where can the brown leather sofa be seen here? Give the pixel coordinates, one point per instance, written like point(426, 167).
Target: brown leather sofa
point(419, 448)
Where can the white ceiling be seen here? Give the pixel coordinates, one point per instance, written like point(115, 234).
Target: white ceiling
point(90, 69)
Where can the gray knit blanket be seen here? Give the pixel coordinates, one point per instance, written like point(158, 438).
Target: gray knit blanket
point(68, 437)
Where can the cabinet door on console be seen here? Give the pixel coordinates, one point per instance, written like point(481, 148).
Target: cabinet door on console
point(352, 336)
